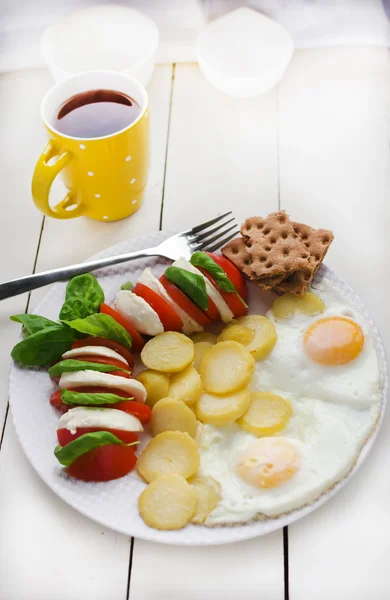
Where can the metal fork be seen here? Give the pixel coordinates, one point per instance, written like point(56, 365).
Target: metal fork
point(182, 244)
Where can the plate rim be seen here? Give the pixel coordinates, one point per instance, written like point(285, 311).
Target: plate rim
point(252, 529)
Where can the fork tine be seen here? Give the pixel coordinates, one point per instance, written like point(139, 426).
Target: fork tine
point(222, 242)
point(203, 226)
point(217, 237)
point(199, 238)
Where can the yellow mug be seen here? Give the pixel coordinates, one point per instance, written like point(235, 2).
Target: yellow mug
point(106, 176)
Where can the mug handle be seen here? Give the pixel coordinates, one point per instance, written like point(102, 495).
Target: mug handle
point(43, 177)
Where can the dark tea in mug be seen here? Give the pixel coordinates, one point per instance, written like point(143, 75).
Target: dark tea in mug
point(96, 113)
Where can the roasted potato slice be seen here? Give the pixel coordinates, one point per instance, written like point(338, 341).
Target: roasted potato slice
point(204, 336)
point(168, 352)
point(169, 452)
point(267, 414)
point(200, 349)
point(264, 335)
point(237, 333)
point(172, 415)
point(226, 367)
point(186, 385)
point(222, 410)
point(156, 385)
point(289, 304)
point(169, 502)
point(208, 494)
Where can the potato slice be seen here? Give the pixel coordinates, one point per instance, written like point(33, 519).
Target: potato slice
point(168, 352)
point(169, 452)
point(237, 333)
point(264, 335)
point(226, 367)
point(167, 503)
point(267, 414)
point(208, 494)
point(186, 385)
point(200, 349)
point(204, 336)
point(289, 304)
point(222, 410)
point(156, 385)
point(172, 415)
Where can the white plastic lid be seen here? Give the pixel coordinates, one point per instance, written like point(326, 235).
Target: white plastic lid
point(245, 44)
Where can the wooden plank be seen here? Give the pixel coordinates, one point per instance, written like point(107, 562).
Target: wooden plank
point(49, 550)
point(21, 142)
point(334, 173)
point(221, 156)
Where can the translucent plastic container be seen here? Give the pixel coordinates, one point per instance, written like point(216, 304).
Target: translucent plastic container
point(244, 53)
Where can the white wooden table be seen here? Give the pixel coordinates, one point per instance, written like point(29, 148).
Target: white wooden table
point(318, 146)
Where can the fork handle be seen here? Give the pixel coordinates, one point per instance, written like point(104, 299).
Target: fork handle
point(32, 282)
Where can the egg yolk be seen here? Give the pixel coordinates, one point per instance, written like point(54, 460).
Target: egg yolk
point(333, 341)
point(268, 462)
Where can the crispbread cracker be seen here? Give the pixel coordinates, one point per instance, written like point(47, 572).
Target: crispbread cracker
point(237, 252)
point(275, 248)
point(317, 242)
point(278, 254)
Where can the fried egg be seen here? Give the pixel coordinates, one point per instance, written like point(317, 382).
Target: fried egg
point(306, 358)
point(325, 365)
point(258, 478)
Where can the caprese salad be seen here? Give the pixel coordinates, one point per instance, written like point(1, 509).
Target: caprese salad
point(88, 352)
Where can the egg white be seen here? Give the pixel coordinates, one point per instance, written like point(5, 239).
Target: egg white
point(335, 409)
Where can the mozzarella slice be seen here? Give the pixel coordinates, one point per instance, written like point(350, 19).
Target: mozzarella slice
point(95, 351)
point(212, 292)
point(189, 325)
point(89, 378)
point(142, 315)
point(106, 418)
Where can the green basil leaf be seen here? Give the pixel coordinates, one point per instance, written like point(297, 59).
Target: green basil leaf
point(33, 323)
point(70, 365)
point(66, 455)
point(203, 260)
point(127, 286)
point(190, 284)
point(84, 399)
point(43, 347)
point(102, 325)
point(83, 298)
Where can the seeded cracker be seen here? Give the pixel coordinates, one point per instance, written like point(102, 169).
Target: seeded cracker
point(275, 248)
point(317, 242)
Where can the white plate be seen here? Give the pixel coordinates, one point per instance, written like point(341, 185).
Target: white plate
point(114, 504)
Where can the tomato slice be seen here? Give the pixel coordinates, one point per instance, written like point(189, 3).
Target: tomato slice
point(56, 401)
point(168, 317)
point(103, 464)
point(120, 374)
point(232, 272)
point(141, 411)
point(238, 308)
point(101, 360)
point(138, 341)
point(98, 341)
point(185, 303)
point(65, 436)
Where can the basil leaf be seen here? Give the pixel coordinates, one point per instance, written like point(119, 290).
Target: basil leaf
point(83, 298)
point(84, 399)
point(127, 286)
point(33, 323)
point(43, 347)
point(66, 455)
point(70, 365)
point(102, 325)
point(203, 260)
point(190, 284)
